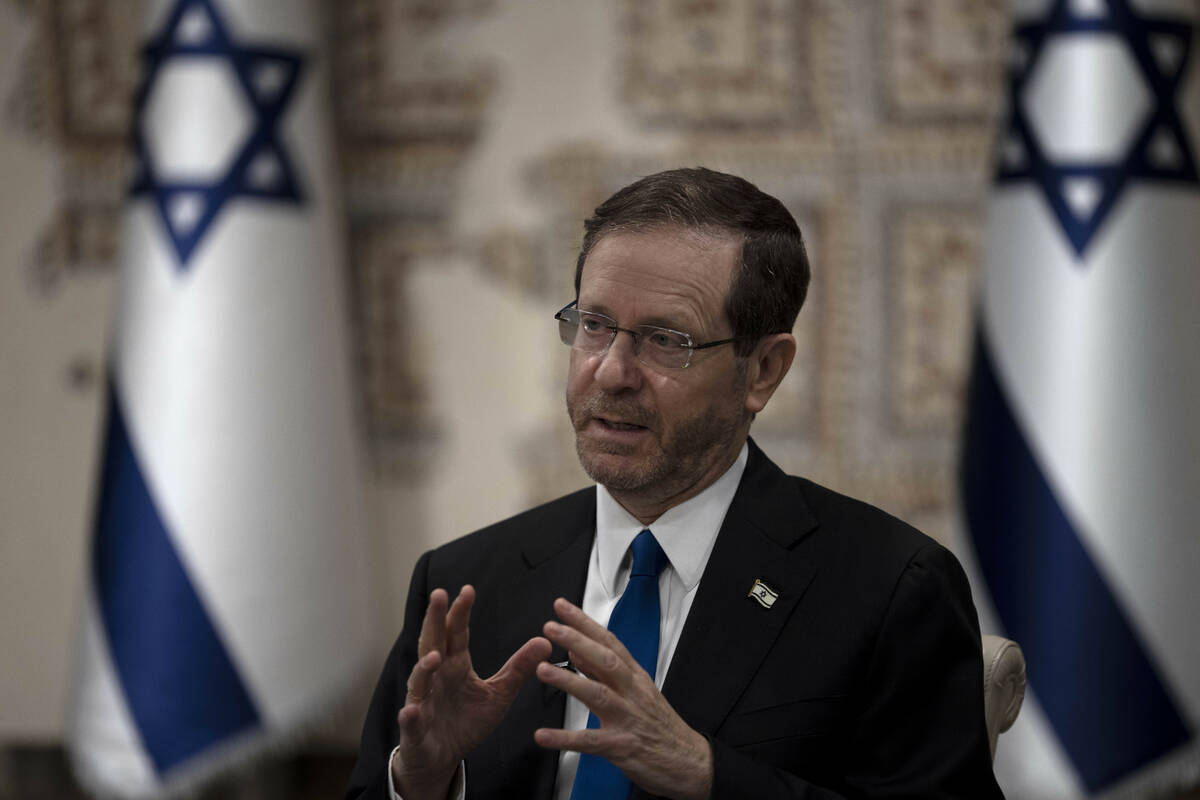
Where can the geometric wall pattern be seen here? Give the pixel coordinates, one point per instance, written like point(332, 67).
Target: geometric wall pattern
point(871, 120)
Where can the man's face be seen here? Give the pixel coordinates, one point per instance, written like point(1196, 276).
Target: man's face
point(657, 436)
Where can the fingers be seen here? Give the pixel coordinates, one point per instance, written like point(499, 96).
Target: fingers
point(446, 630)
point(522, 663)
point(440, 629)
point(593, 649)
point(419, 687)
point(601, 699)
point(589, 740)
point(591, 658)
point(458, 621)
point(573, 616)
point(433, 628)
point(520, 666)
point(420, 681)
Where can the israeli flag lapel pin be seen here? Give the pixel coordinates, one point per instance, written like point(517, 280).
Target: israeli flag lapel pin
point(765, 595)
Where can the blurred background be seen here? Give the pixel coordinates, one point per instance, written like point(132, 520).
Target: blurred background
point(471, 139)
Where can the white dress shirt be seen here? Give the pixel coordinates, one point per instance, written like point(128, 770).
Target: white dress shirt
point(686, 533)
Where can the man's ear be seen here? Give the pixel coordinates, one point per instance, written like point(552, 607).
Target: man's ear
point(769, 363)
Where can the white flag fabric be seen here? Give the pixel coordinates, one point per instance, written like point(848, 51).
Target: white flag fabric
point(1081, 464)
point(225, 607)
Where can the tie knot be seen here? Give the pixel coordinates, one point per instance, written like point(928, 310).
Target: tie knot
point(648, 558)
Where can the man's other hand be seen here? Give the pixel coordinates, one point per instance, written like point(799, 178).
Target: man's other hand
point(639, 731)
point(448, 708)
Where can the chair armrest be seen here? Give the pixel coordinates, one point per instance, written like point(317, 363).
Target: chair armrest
point(1003, 685)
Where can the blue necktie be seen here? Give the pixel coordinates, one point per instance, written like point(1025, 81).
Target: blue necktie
point(635, 621)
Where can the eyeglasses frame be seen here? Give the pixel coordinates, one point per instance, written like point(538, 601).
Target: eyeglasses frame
point(637, 337)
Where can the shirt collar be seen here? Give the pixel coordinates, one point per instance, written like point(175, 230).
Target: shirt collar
point(686, 532)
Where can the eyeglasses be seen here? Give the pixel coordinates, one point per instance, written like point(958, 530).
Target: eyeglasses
point(590, 332)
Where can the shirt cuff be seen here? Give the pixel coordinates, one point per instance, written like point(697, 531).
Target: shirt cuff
point(458, 784)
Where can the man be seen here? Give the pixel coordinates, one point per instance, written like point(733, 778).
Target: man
point(699, 624)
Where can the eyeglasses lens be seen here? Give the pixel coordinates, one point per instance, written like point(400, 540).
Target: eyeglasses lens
point(594, 333)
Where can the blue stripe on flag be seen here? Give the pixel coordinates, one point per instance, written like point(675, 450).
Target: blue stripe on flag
point(1093, 677)
point(183, 691)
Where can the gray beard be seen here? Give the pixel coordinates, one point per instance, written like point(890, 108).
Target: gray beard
point(678, 465)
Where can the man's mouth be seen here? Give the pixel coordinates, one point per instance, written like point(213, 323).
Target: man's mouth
point(618, 425)
point(621, 426)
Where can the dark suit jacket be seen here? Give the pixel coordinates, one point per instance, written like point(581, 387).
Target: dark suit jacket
point(864, 679)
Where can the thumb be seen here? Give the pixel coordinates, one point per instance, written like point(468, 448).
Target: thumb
point(520, 666)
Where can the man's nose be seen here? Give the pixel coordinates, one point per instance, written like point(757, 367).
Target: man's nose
point(619, 367)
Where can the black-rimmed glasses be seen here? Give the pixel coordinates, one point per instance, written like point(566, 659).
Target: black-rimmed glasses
point(590, 332)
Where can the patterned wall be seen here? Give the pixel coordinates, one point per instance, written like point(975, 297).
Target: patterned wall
point(871, 120)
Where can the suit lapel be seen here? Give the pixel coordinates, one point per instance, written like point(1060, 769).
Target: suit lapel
point(554, 564)
point(727, 633)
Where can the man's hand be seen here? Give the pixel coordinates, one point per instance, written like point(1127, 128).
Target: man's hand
point(639, 731)
point(449, 709)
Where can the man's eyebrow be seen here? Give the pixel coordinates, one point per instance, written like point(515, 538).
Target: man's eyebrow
point(597, 308)
point(665, 322)
point(657, 320)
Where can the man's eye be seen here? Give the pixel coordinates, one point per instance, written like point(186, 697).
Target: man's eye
point(664, 340)
point(591, 325)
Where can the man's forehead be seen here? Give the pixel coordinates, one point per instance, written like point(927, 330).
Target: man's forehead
point(700, 237)
point(709, 252)
point(680, 274)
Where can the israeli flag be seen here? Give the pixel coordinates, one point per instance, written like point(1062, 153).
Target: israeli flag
point(225, 608)
point(1081, 465)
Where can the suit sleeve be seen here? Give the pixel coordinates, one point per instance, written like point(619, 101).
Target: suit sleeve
point(919, 727)
point(381, 732)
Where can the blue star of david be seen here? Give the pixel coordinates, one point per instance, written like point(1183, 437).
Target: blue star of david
point(210, 39)
point(1137, 32)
